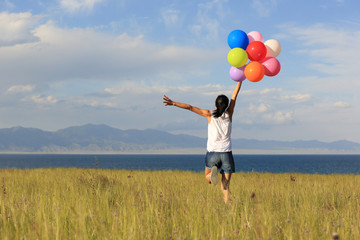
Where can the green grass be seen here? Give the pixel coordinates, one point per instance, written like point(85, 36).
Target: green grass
point(119, 204)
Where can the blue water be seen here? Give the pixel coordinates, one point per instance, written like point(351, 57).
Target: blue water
point(323, 164)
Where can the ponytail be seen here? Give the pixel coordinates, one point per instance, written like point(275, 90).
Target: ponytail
point(221, 103)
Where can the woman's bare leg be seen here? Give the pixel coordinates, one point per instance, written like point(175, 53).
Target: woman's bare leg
point(207, 175)
point(225, 184)
point(211, 175)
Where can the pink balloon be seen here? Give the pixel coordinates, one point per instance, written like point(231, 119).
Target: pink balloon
point(237, 73)
point(255, 36)
point(272, 66)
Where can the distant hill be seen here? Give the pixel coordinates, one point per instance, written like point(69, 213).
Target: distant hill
point(103, 138)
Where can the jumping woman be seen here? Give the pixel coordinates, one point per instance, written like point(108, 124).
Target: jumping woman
point(219, 151)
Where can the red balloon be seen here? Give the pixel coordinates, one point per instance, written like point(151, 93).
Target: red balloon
point(254, 71)
point(272, 66)
point(256, 51)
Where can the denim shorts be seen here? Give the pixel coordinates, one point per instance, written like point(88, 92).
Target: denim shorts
point(222, 160)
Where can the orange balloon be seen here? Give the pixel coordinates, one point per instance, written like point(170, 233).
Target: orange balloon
point(254, 71)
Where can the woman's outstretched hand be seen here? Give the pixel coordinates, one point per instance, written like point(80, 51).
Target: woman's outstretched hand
point(167, 101)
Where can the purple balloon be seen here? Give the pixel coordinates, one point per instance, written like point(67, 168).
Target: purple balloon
point(237, 73)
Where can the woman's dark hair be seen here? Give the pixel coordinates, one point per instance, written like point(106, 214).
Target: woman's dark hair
point(221, 104)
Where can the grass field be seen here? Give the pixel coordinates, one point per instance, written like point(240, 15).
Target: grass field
point(120, 204)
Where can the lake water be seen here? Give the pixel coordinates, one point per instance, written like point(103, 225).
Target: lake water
point(323, 164)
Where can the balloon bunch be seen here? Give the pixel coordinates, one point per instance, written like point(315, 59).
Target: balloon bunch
point(262, 56)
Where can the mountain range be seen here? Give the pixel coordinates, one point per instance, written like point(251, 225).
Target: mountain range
point(103, 138)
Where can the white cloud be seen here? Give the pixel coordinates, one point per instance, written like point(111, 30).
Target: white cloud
point(330, 55)
point(44, 100)
point(94, 103)
point(20, 88)
point(342, 105)
point(280, 117)
point(270, 90)
point(260, 108)
point(263, 117)
point(17, 28)
point(298, 97)
point(72, 54)
point(79, 5)
point(264, 114)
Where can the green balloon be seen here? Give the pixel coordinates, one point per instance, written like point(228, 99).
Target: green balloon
point(237, 57)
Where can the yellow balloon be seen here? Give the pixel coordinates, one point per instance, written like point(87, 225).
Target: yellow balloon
point(237, 57)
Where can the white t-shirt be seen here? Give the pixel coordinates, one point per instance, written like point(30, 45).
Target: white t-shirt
point(219, 134)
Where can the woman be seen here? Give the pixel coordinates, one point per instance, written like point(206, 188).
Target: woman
point(219, 152)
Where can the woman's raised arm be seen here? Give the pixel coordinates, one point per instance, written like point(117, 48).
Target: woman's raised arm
point(233, 99)
point(202, 112)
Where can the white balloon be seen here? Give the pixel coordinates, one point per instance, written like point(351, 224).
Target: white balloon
point(273, 48)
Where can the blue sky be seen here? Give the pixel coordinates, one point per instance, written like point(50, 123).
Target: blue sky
point(73, 62)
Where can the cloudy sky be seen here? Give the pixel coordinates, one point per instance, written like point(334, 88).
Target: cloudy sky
point(72, 62)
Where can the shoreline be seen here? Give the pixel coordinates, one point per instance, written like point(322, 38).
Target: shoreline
point(199, 151)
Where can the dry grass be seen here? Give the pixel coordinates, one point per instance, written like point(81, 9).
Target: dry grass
point(119, 204)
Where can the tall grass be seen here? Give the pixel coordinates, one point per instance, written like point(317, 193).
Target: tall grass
point(119, 204)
